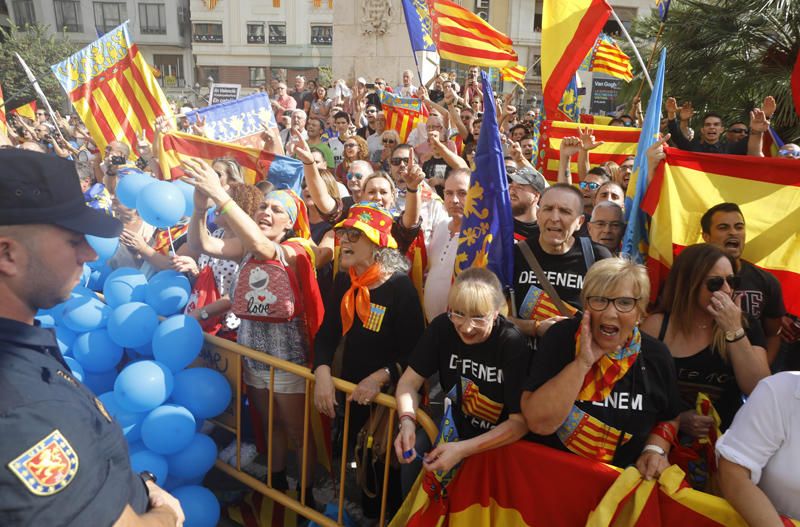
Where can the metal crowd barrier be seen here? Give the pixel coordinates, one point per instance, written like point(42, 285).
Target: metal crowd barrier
point(226, 357)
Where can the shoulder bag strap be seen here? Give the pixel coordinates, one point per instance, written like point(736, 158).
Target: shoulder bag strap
point(588, 251)
point(545, 283)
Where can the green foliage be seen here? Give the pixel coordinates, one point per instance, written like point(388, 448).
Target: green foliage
point(40, 49)
point(727, 55)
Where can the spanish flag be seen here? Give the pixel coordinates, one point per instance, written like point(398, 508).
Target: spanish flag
point(620, 142)
point(462, 36)
point(26, 110)
point(767, 190)
point(569, 30)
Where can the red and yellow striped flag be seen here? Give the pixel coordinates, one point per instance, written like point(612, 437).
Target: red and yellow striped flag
point(3, 125)
point(767, 190)
point(620, 142)
point(610, 59)
point(402, 113)
point(462, 36)
point(26, 110)
point(514, 74)
point(113, 89)
point(478, 405)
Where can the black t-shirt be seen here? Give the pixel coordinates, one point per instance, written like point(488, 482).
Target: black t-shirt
point(761, 292)
point(395, 324)
point(491, 373)
point(697, 145)
point(524, 230)
point(365, 131)
point(645, 396)
point(436, 95)
point(565, 271)
point(436, 167)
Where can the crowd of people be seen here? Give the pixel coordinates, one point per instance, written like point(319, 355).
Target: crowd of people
point(355, 278)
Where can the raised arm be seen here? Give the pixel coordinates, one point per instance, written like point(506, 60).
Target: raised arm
point(568, 148)
point(414, 178)
point(316, 186)
point(759, 125)
point(588, 143)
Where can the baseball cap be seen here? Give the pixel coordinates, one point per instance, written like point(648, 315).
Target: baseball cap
point(43, 188)
point(528, 176)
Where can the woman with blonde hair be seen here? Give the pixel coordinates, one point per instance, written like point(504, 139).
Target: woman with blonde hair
point(389, 140)
point(355, 148)
point(477, 353)
point(599, 376)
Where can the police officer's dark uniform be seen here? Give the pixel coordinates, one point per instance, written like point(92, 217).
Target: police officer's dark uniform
point(63, 461)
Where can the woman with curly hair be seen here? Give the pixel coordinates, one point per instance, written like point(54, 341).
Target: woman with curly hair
point(355, 148)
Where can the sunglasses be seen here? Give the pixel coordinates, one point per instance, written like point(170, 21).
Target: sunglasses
point(590, 185)
point(389, 141)
point(371, 111)
point(738, 130)
point(789, 153)
point(397, 161)
point(351, 235)
point(357, 177)
point(350, 145)
point(715, 283)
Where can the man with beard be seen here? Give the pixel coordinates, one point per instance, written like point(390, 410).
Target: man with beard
point(525, 187)
point(723, 225)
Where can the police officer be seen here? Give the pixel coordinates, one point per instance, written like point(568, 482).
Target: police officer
point(63, 460)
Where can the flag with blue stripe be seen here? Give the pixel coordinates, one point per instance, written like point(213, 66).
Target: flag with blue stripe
point(232, 120)
point(418, 23)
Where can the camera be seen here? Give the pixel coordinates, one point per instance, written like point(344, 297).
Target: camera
point(370, 85)
point(117, 160)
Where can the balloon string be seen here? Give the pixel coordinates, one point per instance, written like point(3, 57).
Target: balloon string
point(171, 244)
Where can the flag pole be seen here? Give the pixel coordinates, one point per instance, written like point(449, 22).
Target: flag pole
point(635, 51)
point(652, 56)
point(40, 93)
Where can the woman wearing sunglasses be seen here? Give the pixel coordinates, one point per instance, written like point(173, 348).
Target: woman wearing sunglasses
point(717, 351)
point(598, 386)
point(481, 359)
point(355, 148)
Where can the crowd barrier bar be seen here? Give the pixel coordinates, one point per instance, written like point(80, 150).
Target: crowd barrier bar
point(213, 343)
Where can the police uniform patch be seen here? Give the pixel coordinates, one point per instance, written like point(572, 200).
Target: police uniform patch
point(48, 466)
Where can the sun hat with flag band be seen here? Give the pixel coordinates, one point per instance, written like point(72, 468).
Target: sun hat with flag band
point(374, 221)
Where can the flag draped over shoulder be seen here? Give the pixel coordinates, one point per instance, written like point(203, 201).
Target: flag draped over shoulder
point(462, 36)
point(620, 142)
point(282, 171)
point(608, 58)
point(233, 121)
point(113, 89)
point(418, 23)
point(687, 184)
point(26, 110)
point(569, 30)
point(634, 242)
point(487, 230)
point(402, 113)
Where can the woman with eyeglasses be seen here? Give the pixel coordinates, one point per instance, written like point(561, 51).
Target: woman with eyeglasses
point(355, 148)
point(481, 359)
point(598, 386)
point(382, 158)
point(716, 350)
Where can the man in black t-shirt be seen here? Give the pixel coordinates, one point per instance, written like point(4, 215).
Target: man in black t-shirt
point(564, 258)
point(723, 225)
point(525, 187)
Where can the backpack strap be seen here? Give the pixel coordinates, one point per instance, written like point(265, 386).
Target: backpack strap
point(534, 264)
point(588, 251)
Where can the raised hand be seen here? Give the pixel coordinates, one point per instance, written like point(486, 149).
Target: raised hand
point(301, 149)
point(671, 105)
point(687, 111)
point(758, 121)
point(769, 106)
point(589, 354)
point(587, 139)
point(570, 146)
point(655, 154)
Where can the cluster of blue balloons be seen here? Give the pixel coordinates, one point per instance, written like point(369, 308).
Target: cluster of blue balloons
point(159, 203)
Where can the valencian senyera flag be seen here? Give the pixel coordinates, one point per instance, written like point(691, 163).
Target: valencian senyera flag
point(620, 142)
point(282, 171)
point(608, 58)
point(418, 23)
point(569, 30)
point(402, 113)
point(515, 74)
point(526, 484)
point(236, 121)
point(686, 184)
point(487, 230)
point(113, 89)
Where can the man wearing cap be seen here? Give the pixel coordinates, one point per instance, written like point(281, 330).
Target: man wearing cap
point(64, 460)
point(526, 184)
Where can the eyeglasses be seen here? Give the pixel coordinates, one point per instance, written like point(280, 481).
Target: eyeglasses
point(591, 185)
point(351, 145)
point(510, 169)
point(357, 177)
point(397, 161)
point(789, 153)
point(351, 235)
point(389, 141)
point(461, 319)
point(623, 304)
point(738, 130)
point(714, 283)
point(371, 111)
point(612, 224)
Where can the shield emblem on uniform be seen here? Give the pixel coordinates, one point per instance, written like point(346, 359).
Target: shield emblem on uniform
point(48, 466)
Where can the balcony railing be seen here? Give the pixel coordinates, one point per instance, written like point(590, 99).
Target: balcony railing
point(214, 39)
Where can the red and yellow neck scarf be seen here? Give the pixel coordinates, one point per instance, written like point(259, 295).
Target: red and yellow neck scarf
point(611, 367)
point(356, 299)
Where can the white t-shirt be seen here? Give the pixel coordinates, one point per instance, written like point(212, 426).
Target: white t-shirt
point(337, 147)
point(765, 439)
point(442, 257)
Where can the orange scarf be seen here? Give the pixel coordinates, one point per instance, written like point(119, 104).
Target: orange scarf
point(356, 299)
point(611, 367)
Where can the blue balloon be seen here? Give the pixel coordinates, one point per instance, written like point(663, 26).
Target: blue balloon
point(125, 285)
point(130, 183)
point(177, 342)
point(55, 313)
point(188, 195)
point(80, 290)
point(143, 385)
point(146, 350)
point(96, 351)
point(75, 366)
point(82, 314)
point(100, 382)
point(161, 204)
point(87, 272)
point(169, 294)
point(132, 325)
point(104, 247)
point(142, 460)
point(203, 391)
point(195, 459)
point(64, 338)
point(46, 320)
point(168, 429)
point(98, 277)
point(199, 505)
point(130, 422)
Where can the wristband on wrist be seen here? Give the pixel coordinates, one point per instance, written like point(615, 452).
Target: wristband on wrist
point(407, 415)
point(654, 448)
point(665, 431)
point(308, 164)
point(412, 190)
point(226, 207)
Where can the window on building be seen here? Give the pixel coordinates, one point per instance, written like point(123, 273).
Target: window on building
point(207, 32)
point(277, 33)
point(255, 33)
point(258, 76)
point(171, 68)
point(108, 15)
point(321, 35)
point(152, 19)
point(537, 18)
point(204, 73)
point(68, 16)
point(482, 9)
point(24, 12)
